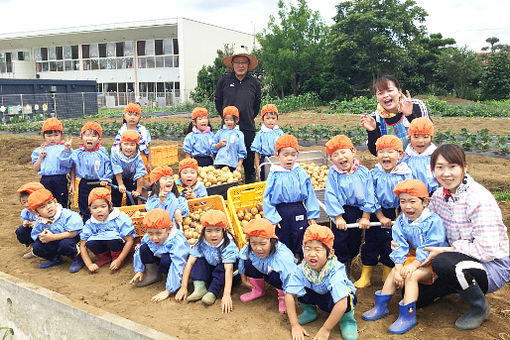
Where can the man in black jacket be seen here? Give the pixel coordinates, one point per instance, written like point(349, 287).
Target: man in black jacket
point(240, 89)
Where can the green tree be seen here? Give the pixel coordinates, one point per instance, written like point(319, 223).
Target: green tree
point(496, 76)
point(492, 41)
point(293, 49)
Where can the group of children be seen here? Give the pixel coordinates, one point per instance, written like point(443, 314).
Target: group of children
point(394, 193)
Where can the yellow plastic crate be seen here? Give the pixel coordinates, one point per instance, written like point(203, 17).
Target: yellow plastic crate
point(164, 155)
point(241, 197)
point(130, 210)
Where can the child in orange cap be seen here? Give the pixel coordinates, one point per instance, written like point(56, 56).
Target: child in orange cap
point(349, 198)
point(228, 142)
point(108, 233)
point(418, 152)
point(54, 175)
point(55, 232)
point(188, 184)
point(264, 141)
point(128, 167)
point(199, 138)
point(164, 249)
point(91, 161)
point(164, 195)
point(265, 259)
point(320, 280)
point(23, 233)
point(415, 229)
point(389, 171)
point(289, 200)
point(213, 260)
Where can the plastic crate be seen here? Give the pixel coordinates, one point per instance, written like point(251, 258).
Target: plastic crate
point(75, 196)
point(241, 197)
point(164, 155)
point(137, 221)
point(221, 189)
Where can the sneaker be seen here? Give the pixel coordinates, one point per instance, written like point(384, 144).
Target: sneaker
point(76, 265)
point(50, 263)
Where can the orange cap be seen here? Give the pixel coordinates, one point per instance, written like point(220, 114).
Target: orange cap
point(52, 124)
point(338, 142)
point(159, 172)
point(231, 111)
point(286, 141)
point(199, 112)
point(99, 193)
point(133, 107)
point(268, 108)
point(260, 227)
point(214, 218)
point(188, 163)
point(92, 126)
point(157, 219)
point(30, 187)
point(389, 142)
point(319, 233)
point(38, 197)
point(421, 126)
point(130, 136)
point(413, 187)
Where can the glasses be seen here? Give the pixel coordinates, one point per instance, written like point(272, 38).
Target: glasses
point(241, 62)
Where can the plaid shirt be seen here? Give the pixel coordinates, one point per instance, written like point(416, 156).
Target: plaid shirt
point(473, 221)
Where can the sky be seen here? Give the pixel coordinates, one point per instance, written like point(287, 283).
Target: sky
point(469, 22)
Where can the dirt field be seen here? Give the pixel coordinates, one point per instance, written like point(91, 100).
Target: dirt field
point(259, 319)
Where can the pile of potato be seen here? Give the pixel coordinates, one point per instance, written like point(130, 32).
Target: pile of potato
point(318, 174)
point(211, 176)
point(191, 226)
point(247, 214)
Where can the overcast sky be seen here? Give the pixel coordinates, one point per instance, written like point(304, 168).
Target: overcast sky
point(469, 22)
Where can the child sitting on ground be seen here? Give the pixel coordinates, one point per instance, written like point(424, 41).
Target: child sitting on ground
point(91, 161)
point(289, 200)
point(55, 232)
point(23, 233)
point(212, 260)
point(199, 138)
point(228, 142)
point(264, 141)
point(164, 249)
point(128, 168)
point(416, 228)
point(349, 196)
point(418, 152)
point(188, 184)
point(164, 195)
point(265, 259)
point(54, 175)
point(320, 280)
point(108, 233)
point(387, 173)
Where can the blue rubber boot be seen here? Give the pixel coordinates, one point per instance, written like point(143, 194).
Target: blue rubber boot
point(309, 314)
point(50, 263)
point(379, 311)
point(76, 265)
point(406, 319)
point(348, 326)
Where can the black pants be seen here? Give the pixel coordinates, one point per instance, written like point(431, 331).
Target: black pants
point(58, 185)
point(103, 246)
point(377, 245)
point(455, 273)
point(263, 168)
point(204, 160)
point(84, 190)
point(249, 161)
point(347, 242)
point(130, 185)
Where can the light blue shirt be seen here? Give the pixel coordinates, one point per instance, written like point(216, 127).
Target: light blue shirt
point(229, 254)
point(265, 140)
point(356, 190)
point(129, 168)
point(288, 186)
point(177, 247)
point(27, 215)
point(50, 164)
point(235, 149)
point(384, 183)
point(116, 226)
point(67, 221)
point(89, 165)
point(199, 143)
point(171, 204)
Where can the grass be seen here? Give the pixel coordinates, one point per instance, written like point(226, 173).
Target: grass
point(502, 196)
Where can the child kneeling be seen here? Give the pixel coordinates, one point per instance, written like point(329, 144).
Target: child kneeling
point(415, 229)
point(320, 280)
point(212, 260)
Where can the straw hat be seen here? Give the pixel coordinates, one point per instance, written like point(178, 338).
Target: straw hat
point(241, 52)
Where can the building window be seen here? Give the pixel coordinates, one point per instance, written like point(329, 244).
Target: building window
point(102, 50)
point(158, 47)
point(58, 52)
point(176, 46)
point(140, 47)
point(85, 51)
point(128, 48)
point(119, 49)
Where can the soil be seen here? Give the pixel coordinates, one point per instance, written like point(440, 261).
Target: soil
point(258, 319)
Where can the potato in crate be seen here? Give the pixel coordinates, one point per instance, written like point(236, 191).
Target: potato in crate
point(244, 203)
point(136, 213)
point(164, 155)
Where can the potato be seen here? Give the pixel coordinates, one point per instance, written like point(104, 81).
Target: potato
point(257, 216)
point(248, 216)
point(254, 211)
point(187, 220)
point(240, 214)
point(192, 241)
point(247, 210)
point(260, 207)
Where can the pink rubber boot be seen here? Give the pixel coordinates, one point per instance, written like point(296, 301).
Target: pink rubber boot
point(257, 291)
point(282, 307)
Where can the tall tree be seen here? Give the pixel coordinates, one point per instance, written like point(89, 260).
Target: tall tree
point(492, 41)
point(496, 77)
point(293, 48)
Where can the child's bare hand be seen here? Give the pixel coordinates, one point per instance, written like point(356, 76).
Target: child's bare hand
point(221, 143)
point(246, 282)
point(322, 334)
point(103, 183)
point(368, 122)
point(138, 277)
point(28, 224)
point(340, 223)
point(239, 168)
point(135, 193)
point(115, 264)
point(42, 154)
point(407, 270)
point(161, 296)
point(298, 332)
point(386, 222)
point(46, 236)
point(122, 188)
point(399, 280)
point(181, 294)
point(364, 223)
point(178, 217)
point(226, 304)
point(71, 190)
point(92, 267)
point(68, 144)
